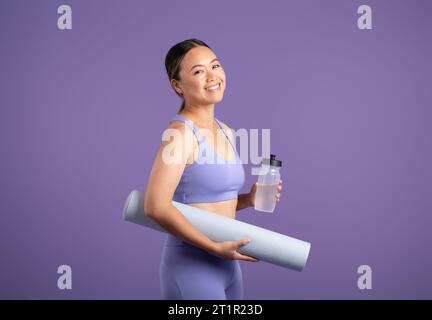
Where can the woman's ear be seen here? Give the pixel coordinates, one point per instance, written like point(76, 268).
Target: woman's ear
point(176, 86)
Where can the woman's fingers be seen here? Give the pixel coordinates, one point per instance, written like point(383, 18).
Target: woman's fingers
point(242, 242)
point(237, 255)
point(240, 256)
point(279, 189)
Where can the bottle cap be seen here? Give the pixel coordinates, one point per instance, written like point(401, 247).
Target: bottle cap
point(272, 161)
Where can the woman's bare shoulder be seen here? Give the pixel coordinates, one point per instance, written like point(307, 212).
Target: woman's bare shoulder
point(182, 127)
point(179, 134)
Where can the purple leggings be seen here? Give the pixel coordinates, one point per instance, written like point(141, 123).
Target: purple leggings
point(190, 273)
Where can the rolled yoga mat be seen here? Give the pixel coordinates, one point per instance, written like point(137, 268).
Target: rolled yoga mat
point(265, 245)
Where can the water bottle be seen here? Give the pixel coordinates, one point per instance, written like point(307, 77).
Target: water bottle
point(268, 180)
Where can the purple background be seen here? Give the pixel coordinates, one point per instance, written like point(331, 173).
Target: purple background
point(82, 112)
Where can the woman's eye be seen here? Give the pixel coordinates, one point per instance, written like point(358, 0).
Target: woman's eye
point(216, 65)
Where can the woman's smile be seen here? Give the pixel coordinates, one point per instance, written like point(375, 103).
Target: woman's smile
point(213, 88)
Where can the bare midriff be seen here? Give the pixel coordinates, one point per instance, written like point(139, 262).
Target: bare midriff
point(226, 208)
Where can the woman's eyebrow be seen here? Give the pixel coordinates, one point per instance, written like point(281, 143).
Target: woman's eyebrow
point(200, 65)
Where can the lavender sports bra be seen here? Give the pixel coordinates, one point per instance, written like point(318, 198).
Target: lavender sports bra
point(210, 178)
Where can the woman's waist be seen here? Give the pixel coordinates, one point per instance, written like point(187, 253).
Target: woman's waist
point(225, 208)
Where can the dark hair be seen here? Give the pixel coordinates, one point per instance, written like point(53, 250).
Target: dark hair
point(175, 56)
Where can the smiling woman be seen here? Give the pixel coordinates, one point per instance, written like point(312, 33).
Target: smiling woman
point(190, 78)
point(193, 266)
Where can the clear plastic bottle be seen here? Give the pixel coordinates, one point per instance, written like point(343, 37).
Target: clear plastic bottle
point(268, 180)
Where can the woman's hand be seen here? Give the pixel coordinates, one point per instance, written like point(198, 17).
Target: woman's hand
point(228, 250)
point(253, 192)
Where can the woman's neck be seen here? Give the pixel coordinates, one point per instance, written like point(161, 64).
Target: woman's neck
point(202, 116)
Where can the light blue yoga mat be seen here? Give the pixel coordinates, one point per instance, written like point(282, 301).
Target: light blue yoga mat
point(265, 245)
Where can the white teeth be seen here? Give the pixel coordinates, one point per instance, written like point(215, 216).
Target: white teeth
point(213, 88)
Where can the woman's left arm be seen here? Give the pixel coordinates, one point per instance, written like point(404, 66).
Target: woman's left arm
point(248, 199)
point(244, 201)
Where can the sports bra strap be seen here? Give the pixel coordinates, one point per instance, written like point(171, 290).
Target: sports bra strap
point(195, 130)
point(191, 125)
point(223, 129)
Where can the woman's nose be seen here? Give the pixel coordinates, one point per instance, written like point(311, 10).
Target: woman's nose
point(211, 76)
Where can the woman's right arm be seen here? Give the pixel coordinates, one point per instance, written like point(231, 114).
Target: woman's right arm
point(164, 178)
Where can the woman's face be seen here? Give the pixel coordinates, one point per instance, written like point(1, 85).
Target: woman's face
point(202, 78)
